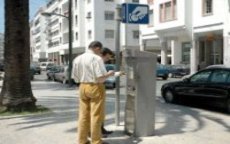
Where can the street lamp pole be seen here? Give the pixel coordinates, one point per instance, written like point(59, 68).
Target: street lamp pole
point(69, 17)
point(70, 42)
point(117, 46)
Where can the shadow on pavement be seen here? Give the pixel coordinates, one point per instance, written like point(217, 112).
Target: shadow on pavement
point(63, 110)
point(172, 119)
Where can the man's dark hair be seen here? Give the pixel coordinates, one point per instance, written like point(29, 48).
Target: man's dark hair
point(95, 44)
point(105, 51)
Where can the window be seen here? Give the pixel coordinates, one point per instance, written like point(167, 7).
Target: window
point(109, 34)
point(151, 17)
point(219, 76)
point(109, 15)
point(89, 15)
point(228, 80)
point(54, 33)
point(38, 39)
point(76, 4)
point(76, 20)
point(89, 34)
point(150, 2)
point(201, 77)
point(135, 34)
point(52, 23)
point(37, 22)
point(76, 34)
point(136, 1)
point(168, 14)
point(207, 7)
point(168, 11)
point(53, 44)
point(186, 52)
point(109, 0)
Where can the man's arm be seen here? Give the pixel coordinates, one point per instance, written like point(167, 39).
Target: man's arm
point(102, 79)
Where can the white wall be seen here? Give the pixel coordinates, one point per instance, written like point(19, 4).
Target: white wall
point(180, 21)
point(217, 17)
point(189, 17)
point(40, 48)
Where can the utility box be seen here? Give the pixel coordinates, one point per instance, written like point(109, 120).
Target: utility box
point(140, 92)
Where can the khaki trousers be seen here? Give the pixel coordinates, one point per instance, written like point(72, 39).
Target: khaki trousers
point(91, 112)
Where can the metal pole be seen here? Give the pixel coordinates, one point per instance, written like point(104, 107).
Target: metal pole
point(229, 5)
point(117, 46)
point(70, 42)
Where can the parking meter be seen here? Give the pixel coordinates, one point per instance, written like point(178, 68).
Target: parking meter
point(140, 92)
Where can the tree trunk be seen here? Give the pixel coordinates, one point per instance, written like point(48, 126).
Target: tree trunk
point(16, 92)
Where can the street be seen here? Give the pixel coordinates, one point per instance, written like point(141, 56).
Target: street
point(175, 124)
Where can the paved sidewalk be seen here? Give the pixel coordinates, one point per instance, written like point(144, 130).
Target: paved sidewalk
point(174, 124)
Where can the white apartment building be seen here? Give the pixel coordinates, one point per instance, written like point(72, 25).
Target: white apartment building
point(1, 47)
point(38, 36)
point(194, 32)
point(92, 20)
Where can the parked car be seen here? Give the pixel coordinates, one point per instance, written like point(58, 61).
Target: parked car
point(44, 65)
point(212, 83)
point(162, 71)
point(50, 66)
point(178, 70)
point(62, 75)
point(1, 66)
point(32, 72)
point(36, 68)
point(111, 81)
point(50, 73)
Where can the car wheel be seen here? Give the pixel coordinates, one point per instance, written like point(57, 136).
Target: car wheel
point(114, 85)
point(228, 106)
point(169, 96)
point(165, 77)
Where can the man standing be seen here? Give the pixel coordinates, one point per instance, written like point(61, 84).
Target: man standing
point(106, 55)
point(89, 70)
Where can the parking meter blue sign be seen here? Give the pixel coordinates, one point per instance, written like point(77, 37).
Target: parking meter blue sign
point(135, 13)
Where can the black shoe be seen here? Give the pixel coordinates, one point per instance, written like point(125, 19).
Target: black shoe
point(107, 132)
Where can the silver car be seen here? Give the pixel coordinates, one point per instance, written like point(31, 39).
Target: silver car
point(62, 75)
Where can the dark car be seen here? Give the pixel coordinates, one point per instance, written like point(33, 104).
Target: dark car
point(1, 66)
point(212, 83)
point(36, 68)
point(32, 72)
point(111, 81)
point(178, 70)
point(162, 71)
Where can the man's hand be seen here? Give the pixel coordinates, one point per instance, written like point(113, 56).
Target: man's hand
point(111, 73)
point(120, 73)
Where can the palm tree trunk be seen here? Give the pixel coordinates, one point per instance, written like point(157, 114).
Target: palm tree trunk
point(16, 91)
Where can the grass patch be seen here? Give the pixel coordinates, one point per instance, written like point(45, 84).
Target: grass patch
point(39, 110)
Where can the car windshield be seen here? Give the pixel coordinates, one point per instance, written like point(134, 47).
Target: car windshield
point(50, 64)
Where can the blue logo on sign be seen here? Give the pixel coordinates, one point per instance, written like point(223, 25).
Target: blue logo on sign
point(135, 13)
